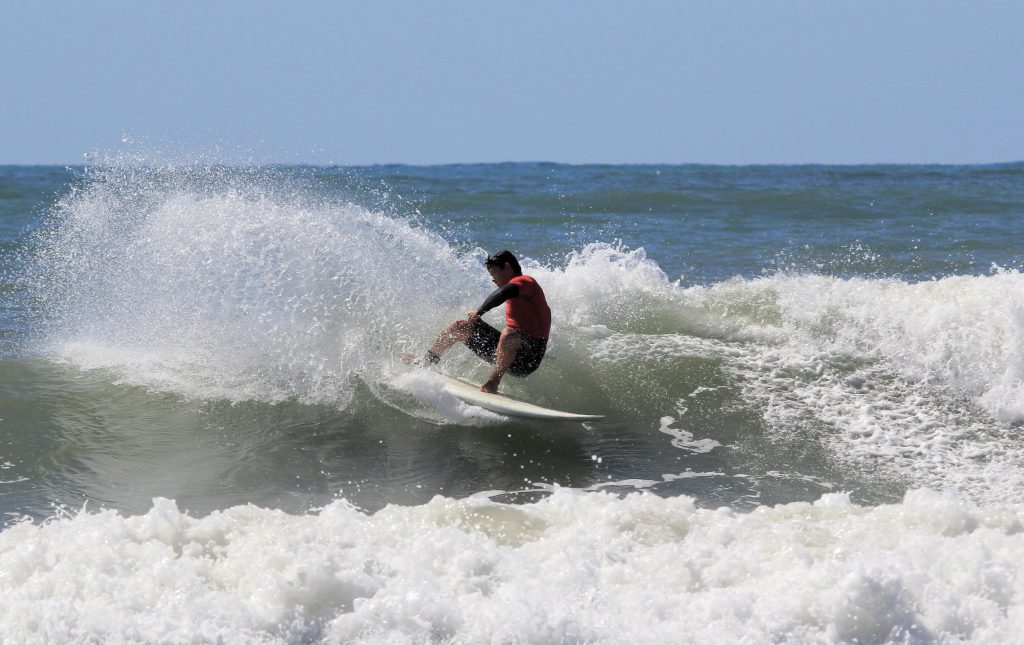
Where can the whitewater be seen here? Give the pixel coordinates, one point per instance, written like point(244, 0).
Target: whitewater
point(812, 379)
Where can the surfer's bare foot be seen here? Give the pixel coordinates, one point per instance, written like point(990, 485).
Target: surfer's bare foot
point(410, 359)
point(490, 387)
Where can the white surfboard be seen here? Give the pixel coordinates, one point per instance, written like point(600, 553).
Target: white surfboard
point(507, 405)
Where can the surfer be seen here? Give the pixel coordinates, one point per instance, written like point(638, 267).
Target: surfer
point(519, 348)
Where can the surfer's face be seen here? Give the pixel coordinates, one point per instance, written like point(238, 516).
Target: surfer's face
point(501, 276)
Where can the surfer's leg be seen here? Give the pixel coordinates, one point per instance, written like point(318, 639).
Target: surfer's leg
point(508, 346)
point(528, 358)
point(483, 341)
point(456, 332)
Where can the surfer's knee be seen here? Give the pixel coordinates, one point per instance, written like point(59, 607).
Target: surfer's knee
point(508, 347)
point(460, 330)
point(510, 339)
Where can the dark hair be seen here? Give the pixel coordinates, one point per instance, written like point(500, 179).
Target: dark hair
point(501, 258)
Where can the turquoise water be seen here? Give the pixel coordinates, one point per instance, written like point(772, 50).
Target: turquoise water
point(796, 357)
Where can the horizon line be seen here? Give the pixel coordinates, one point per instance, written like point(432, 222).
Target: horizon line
point(311, 164)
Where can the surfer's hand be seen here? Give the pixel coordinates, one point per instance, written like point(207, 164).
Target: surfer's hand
point(472, 315)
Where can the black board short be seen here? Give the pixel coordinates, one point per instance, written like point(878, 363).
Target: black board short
point(484, 343)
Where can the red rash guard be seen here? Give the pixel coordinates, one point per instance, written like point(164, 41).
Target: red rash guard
point(528, 312)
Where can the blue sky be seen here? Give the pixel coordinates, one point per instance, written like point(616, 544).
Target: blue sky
point(745, 81)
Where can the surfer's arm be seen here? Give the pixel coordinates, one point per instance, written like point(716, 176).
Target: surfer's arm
point(499, 296)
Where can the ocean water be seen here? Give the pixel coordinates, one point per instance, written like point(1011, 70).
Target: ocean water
point(812, 376)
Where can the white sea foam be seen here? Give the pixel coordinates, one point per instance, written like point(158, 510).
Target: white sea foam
point(605, 284)
point(912, 382)
point(573, 567)
point(433, 403)
point(963, 333)
point(684, 440)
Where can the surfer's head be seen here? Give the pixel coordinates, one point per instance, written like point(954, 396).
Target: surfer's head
point(500, 259)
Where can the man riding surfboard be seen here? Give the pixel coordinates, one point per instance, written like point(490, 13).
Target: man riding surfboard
point(517, 349)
